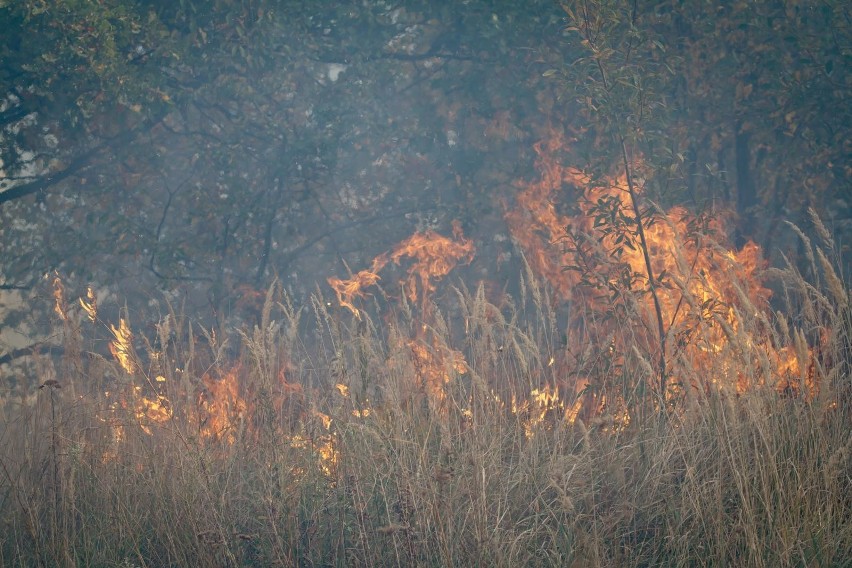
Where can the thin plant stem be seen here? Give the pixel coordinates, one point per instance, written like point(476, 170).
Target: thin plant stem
point(652, 281)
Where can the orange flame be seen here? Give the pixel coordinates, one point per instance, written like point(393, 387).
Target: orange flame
point(702, 285)
point(536, 225)
point(90, 304)
point(434, 364)
point(348, 290)
point(222, 409)
point(122, 346)
point(435, 256)
point(157, 409)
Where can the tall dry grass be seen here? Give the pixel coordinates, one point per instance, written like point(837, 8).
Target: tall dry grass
point(396, 442)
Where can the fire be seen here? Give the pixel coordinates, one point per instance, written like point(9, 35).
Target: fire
point(704, 288)
point(434, 364)
point(535, 408)
point(322, 447)
point(122, 346)
point(348, 290)
point(536, 225)
point(151, 409)
point(90, 305)
point(221, 407)
point(710, 296)
point(435, 256)
point(540, 409)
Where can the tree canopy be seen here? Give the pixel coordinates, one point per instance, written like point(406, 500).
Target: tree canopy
point(211, 145)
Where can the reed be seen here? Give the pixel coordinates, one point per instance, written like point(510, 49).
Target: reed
point(319, 438)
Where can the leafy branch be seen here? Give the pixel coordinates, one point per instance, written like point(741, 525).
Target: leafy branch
point(594, 36)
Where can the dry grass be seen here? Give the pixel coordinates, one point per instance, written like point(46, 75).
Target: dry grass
point(340, 445)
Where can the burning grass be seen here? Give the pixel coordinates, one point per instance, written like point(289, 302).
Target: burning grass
point(513, 434)
point(296, 456)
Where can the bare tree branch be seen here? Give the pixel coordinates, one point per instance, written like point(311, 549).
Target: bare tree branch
point(80, 162)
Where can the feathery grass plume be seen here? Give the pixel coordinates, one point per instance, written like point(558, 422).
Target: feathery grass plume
point(796, 284)
point(839, 463)
point(121, 346)
point(268, 303)
point(216, 344)
point(462, 294)
point(647, 374)
point(822, 231)
point(480, 305)
point(164, 332)
point(292, 318)
point(90, 305)
point(809, 252)
point(783, 327)
point(835, 286)
point(531, 284)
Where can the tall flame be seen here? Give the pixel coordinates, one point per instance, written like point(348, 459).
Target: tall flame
point(434, 257)
point(703, 286)
point(221, 407)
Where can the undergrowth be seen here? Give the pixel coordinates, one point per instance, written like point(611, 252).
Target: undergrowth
point(320, 438)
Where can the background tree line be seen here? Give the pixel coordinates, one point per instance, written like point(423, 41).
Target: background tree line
point(208, 146)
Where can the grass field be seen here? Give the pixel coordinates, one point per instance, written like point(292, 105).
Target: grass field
point(498, 436)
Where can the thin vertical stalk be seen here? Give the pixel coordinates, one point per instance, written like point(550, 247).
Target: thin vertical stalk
point(646, 255)
point(634, 200)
